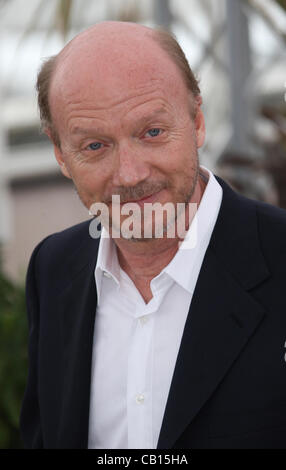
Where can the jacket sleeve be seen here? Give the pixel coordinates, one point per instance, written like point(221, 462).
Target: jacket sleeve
point(30, 419)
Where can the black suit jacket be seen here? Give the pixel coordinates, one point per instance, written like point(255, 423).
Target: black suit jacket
point(229, 385)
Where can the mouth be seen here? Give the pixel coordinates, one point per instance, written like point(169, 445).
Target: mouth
point(146, 199)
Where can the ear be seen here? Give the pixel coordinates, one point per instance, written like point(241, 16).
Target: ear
point(58, 154)
point(199, 122)
point(61, 162)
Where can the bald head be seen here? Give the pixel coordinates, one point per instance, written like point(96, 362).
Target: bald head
point(106, 57)
point(109, 57)
point(107, 34)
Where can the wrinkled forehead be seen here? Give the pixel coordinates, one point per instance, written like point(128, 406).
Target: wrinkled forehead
point(113, 66)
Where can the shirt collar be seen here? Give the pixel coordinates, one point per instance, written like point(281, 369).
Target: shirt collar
point(107, 261)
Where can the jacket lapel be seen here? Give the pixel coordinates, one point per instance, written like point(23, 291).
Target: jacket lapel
point(77, 306)
point(222, 317)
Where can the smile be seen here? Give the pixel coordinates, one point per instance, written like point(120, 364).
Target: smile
point(147, 199)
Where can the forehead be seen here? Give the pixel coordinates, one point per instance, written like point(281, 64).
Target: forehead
point(114, 71)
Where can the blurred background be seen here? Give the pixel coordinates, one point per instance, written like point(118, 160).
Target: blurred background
point(236, 48)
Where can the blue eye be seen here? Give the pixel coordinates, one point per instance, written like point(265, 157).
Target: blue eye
point(154, 132)
point(94, 146)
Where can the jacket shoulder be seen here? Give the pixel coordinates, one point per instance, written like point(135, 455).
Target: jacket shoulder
point(53, 257)
point(272, 222)
point(65, 241)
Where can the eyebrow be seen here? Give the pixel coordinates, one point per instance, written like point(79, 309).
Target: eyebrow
point(100, 130)
point(149, 117)
point(86, 130)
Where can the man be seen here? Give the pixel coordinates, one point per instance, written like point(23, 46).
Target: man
point(145, 342)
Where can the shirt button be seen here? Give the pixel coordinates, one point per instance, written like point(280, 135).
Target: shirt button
point(140, 399)
point(144, 319)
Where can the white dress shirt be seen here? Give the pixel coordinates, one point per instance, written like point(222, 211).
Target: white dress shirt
point(136, 344)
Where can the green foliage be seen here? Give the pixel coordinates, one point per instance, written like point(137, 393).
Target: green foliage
point(13, 360)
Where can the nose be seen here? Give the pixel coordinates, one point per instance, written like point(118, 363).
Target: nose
point(130, 166)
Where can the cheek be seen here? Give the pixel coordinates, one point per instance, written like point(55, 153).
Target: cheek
point(90, 182)
point(178, 157)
